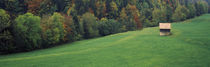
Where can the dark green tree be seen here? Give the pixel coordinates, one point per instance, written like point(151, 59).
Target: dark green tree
point(6, 38)
point(5, 21)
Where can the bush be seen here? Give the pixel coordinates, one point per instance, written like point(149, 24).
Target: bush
point(89, 25)
point(107, 27)
point(27, 32)
point(6, 42)
point(53, 30)
point(148, 23)
point(70, 31)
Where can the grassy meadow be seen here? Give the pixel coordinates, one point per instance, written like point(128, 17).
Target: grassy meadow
point(188, 46)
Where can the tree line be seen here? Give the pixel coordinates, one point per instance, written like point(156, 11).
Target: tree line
point(27, 25)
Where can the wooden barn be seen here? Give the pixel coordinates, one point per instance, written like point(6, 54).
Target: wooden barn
point(165, 29)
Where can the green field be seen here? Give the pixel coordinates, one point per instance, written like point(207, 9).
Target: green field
point(189, 46)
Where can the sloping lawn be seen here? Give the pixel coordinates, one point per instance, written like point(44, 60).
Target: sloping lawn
point(189, 46)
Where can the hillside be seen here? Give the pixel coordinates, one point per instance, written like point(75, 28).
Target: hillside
point(189, 46)
point(27, 25)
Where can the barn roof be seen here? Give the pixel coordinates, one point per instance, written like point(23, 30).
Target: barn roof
point(165, 25)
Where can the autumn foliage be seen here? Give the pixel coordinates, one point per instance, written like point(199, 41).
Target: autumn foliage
point(33, 6)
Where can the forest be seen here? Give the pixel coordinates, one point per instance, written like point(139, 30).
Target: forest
point(27, 25)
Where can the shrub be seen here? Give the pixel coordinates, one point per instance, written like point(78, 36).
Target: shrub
point(27, 31)
point(53, 29)
point(70, 31)
point(89, 25)
point(107, 27)
point(148, 23)
point(6, 42)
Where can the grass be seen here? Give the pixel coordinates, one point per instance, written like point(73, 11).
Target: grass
point(189, 46)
